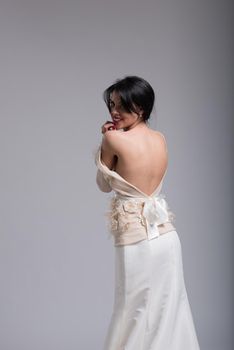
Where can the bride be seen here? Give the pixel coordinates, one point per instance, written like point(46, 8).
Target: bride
point(151, 307)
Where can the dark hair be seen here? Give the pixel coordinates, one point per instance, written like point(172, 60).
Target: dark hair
point(132, 90)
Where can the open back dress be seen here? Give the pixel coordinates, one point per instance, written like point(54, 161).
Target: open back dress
point(151, 309)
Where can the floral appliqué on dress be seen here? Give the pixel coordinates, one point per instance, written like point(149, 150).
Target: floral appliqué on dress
point(124, 212)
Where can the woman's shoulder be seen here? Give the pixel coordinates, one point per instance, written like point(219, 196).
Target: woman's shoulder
point(118, 139)
point(114, 138)
point(160, 138)
point(160, 134)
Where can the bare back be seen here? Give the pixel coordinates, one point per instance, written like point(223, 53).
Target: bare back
point(142, 158)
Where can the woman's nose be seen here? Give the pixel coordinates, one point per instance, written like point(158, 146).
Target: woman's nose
point(114, 113)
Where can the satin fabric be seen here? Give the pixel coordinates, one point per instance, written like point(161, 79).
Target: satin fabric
point(155, 217)
point(151, 309)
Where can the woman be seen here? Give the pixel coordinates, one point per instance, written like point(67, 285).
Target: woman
point(151, 307)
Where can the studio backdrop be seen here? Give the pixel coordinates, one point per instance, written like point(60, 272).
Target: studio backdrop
point(56, 257)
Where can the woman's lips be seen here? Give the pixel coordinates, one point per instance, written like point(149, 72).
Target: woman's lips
point(116, 120)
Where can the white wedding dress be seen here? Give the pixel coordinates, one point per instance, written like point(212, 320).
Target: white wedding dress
point(151, 309)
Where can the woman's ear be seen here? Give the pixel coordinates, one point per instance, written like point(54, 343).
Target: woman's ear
point(139, 109)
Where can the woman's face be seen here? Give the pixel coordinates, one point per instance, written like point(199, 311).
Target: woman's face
point(121, 118)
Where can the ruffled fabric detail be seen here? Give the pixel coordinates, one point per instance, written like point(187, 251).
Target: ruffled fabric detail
point(123, 213)
point(147, 212)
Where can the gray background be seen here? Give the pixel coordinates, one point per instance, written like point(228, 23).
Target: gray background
point(56, 261)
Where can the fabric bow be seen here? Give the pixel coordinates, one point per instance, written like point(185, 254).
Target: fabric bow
point(155, 213)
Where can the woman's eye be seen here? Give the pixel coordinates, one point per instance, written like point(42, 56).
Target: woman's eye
point(118, 107)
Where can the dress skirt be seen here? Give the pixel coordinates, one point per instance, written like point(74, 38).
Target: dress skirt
point(151, 308)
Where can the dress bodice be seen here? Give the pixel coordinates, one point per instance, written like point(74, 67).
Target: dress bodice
point(133, 214)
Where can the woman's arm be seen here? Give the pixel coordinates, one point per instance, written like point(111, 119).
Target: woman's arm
point(108, 149)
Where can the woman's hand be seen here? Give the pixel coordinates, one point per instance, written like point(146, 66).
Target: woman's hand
point(109, 125)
